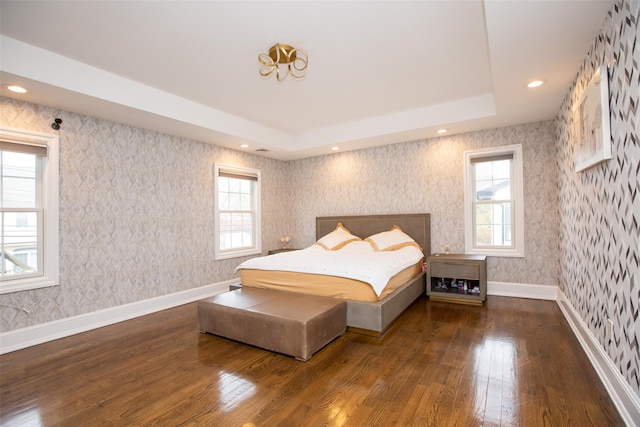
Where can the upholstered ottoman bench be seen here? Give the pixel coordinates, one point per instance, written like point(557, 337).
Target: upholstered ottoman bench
point(285, 322)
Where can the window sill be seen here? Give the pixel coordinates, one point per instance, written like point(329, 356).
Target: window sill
point(238, 254)
point(504, 253)
point(26, 284)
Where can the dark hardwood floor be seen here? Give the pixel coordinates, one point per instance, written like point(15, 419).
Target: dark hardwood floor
point(513, 362)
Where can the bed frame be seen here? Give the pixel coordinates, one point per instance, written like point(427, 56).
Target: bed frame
point(374, 318)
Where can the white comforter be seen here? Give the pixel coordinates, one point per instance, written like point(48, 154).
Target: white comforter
point(356, 261)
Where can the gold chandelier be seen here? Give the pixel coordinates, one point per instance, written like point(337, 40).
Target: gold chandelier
point(293, 61)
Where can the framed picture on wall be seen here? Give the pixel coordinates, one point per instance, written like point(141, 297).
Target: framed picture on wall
point(591, 120)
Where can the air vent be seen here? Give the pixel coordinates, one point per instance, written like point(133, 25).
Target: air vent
point(262, 150)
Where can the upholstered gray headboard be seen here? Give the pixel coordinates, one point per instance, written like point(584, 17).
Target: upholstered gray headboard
point(418, 226)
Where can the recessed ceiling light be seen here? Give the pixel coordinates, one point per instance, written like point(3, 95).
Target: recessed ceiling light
point(244, 146)
point(16, 89)
point(535, 83)
point(335, 148)
point(442, 130)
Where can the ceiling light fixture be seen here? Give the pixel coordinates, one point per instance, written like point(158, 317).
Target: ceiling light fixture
point(535, 83)
point(16, 89)
point(244, 145)
point(442, 130)
point(293, 61)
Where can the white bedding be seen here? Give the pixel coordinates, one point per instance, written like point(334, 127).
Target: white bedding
point(357, 260)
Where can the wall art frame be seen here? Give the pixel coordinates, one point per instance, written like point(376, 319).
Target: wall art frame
point(592, 124)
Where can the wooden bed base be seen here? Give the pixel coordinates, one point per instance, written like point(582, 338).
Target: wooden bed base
point(374, 318)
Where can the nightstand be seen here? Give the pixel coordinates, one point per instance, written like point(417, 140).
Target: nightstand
point(457, 278)
point(277, 251)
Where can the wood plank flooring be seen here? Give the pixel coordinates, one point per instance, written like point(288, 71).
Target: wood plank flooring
point(513, 362)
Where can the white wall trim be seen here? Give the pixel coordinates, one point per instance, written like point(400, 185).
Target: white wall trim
point(38, 334)
point(623, 396)
point(522, 290)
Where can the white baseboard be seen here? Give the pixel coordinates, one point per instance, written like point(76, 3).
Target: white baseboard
point(623, 396)
point(38, 334)
point(522, 290)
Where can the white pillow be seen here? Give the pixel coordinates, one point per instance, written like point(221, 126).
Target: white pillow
point(337, 238)
point(391, 240)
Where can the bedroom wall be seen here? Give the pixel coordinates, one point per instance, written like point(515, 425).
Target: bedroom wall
point(600, 207)
point(136, 214)
point(134, 224)
point(427, 176)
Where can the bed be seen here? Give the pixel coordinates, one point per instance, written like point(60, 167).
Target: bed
point(367, 311)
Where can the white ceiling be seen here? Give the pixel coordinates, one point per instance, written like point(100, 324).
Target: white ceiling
point(379, 72)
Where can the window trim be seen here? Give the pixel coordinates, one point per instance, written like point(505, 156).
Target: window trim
point(50, 203)
point(240, 171)
point(517, 209)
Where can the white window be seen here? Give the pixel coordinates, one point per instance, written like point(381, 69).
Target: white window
point(237, 211)
point(494, 214)
point(28, 210)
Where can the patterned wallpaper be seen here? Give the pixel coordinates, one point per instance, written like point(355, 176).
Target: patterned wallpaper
point(136, 214)
point(427, 176)
point(600, 207)
point(134, 223)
